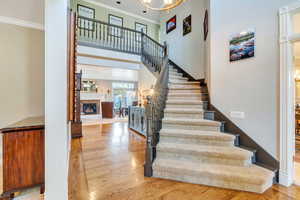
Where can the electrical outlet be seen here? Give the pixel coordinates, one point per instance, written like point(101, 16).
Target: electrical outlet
point(237, 115)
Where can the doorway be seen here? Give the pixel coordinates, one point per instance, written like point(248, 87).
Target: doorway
point(124, 95)
point(289, 172)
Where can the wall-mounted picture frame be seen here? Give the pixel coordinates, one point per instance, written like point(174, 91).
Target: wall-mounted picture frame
point(205, 25)
point(187, 25)
point(171, 24)
point(140, 28)
point(242, 45)
point(117, 21)
point(86, 12)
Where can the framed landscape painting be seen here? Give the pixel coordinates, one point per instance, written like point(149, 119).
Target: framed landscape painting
point(242, 45)
point(171, 24)
point(187, 25)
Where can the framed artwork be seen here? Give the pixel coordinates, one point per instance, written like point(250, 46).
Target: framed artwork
point(171, 24)
point(205, 25)
point(187, 25)
point(141, 28)
point(117, 21)
point(242, 45)
point(87, 12)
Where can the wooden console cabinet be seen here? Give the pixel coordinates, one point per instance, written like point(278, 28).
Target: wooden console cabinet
point(107, 109)
point(23, 156)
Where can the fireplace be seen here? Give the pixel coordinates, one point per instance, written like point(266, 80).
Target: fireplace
point(90, 107)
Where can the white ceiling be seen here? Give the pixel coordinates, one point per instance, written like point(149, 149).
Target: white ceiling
point(27, 10)
point(135, 7)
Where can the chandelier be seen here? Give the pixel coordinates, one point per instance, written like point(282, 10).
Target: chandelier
point(158, 5)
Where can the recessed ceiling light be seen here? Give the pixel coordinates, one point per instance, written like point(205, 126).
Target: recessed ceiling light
point(144, 11)
point(118, 2)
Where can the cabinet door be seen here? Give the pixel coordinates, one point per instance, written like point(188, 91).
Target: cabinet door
point(23, 159)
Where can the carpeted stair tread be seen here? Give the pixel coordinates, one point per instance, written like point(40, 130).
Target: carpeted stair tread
point(185, 83)
point(211, 135)
point(185, 102)
point(178, 77)
point(184, 110)
point(178, 94)
point(188, 121)
point(241, 174)
point(222, 152)
point(184, 87)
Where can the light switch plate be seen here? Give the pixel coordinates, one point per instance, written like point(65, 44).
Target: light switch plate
point(238, 115)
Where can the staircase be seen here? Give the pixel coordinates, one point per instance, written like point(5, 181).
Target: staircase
point(193, 149)
point(182, 144)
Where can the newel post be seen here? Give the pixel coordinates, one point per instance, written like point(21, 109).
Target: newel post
point(148, 172)
point(165, 49)
point(142, 43)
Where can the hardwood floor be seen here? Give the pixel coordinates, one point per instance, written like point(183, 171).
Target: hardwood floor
point(113, 160)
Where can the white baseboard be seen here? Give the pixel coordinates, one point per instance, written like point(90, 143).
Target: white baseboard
point(284, 179)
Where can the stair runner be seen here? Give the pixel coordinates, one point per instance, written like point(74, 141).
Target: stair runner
point(194, 150)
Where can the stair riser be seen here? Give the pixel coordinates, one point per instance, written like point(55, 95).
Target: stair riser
point(197, 91)
point(190, 127)
point(172, 73)
point(184, 115)
point(184, 106)
point(199, 98)
point(187, 95)
point(184, 83)
point(205, 179)
point(178, 78)
point(200, 158)
point(199, 141)
point(187, 87)
point(176, 75)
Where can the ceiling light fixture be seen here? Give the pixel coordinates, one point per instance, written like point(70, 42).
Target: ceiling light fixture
point(162, 6)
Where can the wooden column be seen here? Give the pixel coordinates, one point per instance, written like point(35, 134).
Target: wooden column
point(74, 85)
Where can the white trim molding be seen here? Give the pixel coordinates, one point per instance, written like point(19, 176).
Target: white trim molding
point(121, 11)
point(287, 94)
point(19, 22)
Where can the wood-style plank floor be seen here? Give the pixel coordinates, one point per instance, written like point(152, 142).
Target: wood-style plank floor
point(113, 159)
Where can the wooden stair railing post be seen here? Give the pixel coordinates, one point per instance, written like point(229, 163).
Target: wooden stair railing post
point(74, 85)
point(149, 148)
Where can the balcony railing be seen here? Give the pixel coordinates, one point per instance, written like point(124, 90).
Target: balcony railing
point(107, 36)
point(100, 34)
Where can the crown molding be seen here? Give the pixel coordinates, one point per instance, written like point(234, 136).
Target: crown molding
point(121, 11)
point(19, 22)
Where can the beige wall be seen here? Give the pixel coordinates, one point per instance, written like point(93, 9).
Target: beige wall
point(22, 73)
point(251, 85)
point(187, 51)
point(128, 21)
